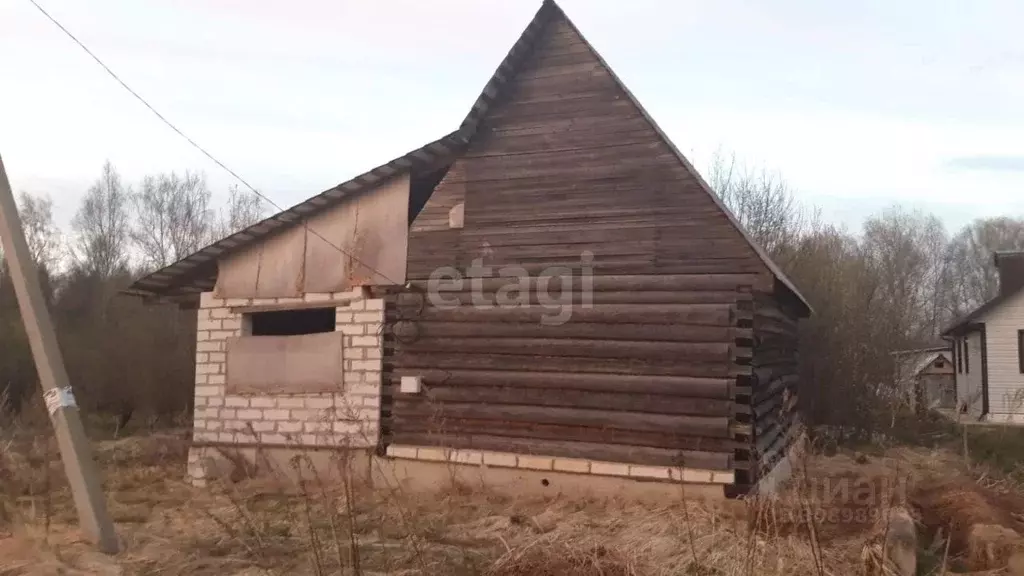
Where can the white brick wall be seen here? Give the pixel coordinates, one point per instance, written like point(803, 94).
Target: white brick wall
point(350, 417)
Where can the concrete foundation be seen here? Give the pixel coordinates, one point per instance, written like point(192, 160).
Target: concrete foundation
point(364, 467)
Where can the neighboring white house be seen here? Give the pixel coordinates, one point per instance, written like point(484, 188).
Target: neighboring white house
point(988, 349)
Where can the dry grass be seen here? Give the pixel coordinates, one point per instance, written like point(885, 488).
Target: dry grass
point(266, 526)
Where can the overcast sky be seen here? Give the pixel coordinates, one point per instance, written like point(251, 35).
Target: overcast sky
point(856, 104)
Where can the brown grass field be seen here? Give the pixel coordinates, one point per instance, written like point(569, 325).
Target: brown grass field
point(265, 525)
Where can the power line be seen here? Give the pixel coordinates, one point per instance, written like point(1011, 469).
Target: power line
point(193, 142)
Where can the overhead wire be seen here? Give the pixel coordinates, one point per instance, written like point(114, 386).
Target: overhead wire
point(196, 145)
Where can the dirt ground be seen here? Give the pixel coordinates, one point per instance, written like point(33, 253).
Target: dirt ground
point(266, 526)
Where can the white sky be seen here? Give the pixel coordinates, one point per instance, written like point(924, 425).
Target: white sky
point(857, 104)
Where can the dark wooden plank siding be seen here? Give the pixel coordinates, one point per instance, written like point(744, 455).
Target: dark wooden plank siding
point(650, 382)
point(774, 383)
point(564, 164)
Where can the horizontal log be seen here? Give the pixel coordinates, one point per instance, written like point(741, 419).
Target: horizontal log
point(582, 450)
point(772, 330)
point(714, 427)
point(675, 282)
point(775, 388)
point(469, 427)
point(640, 250)
point(597, 235)
point(779, 447)
point(768, 345)
point(770, 313)
point(690, 226)
point(665, 385)
point(415, 361)
point(561, 55)
point(624, 400)
point(783, 425)
point(411, 330)
point(681, 351)
point(694, 314)
point(512, 292)
point(537, 187)
point(775, 358)
point(778, 417)
point(590, 166)
point(764, 375)
point(520, 138)
point(767, 406)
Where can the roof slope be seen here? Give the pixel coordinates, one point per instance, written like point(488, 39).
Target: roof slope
point(198, 271)
point(1008, 278)
point(966, 320)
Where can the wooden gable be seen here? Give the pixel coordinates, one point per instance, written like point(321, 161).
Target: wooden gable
point(360, 241)
point(566, 162)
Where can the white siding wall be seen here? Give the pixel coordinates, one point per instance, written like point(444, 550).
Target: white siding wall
point(968, 383)
point(1005, 382)
point(963, 388)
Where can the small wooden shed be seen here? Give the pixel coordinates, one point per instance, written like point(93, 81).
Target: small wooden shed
point(926, 377)
point(552, 288)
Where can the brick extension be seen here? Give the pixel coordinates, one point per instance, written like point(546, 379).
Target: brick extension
point(349, 417)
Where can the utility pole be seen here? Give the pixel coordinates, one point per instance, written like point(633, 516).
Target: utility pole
point(74, 446)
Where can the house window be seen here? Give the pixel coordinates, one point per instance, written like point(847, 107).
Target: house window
point(291, 322)
point(959, 356)
point(1020, 350)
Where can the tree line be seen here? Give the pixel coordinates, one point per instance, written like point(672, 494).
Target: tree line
point(122, 356)
point(893, 284)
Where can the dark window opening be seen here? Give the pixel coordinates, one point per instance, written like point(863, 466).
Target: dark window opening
point(939, 363)
point(967, 357)
point(292, 322)
point(1020, 350)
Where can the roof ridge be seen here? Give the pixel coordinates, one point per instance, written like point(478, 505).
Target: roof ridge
point(523, 47)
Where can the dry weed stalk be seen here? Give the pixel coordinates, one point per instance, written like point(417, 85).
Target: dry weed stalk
point(812, 527)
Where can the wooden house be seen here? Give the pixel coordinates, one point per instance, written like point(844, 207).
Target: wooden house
point(552, 290)
point(926, 377)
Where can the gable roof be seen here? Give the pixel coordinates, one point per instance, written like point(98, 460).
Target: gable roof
point(910, 363)
point(197, 272)
point(964, 323)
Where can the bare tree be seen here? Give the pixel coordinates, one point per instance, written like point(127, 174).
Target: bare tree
point(101, 226)
point(760, 199)
point(971, 277)
point(172, 217)
point(904, 252)
point(43, 237)
point(242, 210)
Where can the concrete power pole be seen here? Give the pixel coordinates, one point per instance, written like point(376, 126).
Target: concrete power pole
point(74, 446)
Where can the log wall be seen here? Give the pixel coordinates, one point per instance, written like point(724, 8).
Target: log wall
point(774, 385)
point(641, 383)
point(654, 364)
